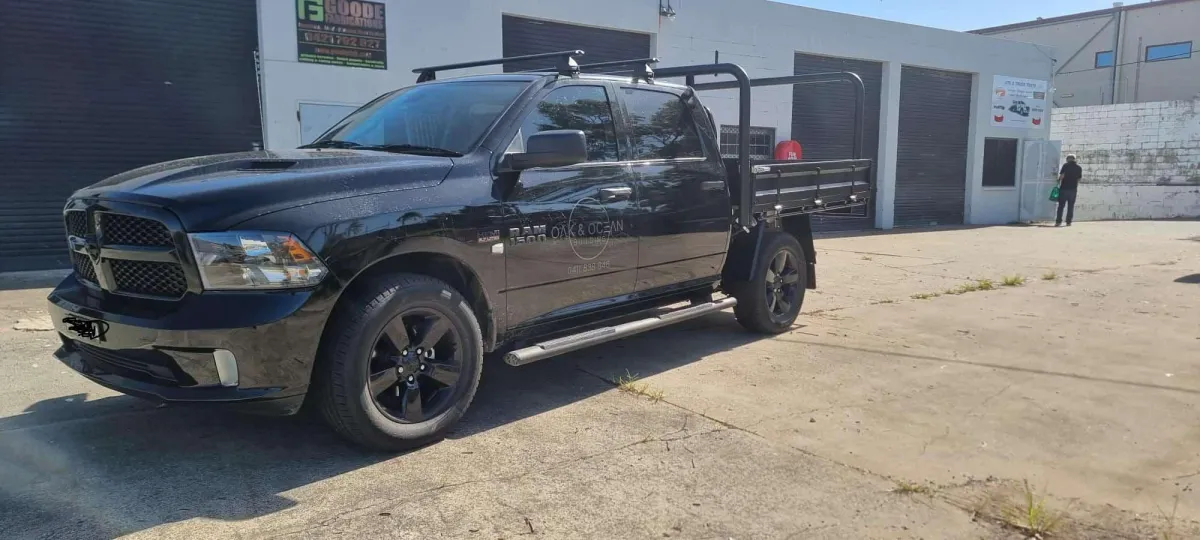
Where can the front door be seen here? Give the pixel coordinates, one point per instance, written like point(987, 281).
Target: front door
point(568, 241)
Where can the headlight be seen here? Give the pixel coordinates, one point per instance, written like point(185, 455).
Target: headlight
point(254, 260)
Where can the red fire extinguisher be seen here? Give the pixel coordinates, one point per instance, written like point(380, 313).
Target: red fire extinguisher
point(789, 151)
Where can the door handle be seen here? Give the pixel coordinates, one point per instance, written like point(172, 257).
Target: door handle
point(614, 194)
point(712, 185)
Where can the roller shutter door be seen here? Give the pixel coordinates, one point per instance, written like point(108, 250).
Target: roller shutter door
point(529, 36)
point(823, 124)
point(102, 87)
point(931, 159)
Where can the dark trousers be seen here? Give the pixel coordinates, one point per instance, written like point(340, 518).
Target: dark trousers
point(1066, 198)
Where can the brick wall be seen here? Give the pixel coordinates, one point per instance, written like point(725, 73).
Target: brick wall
point(1140, 160)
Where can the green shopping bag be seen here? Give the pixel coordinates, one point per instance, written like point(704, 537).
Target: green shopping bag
point(1054, 194)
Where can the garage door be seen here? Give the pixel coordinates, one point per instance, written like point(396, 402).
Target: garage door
point(99, 88)
point(931, 159)
point(529, 36)
point(823, 124)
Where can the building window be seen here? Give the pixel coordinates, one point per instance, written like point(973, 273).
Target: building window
point(999, 162)
point(1105, 59)
point(1169, 51)
point(762, 142)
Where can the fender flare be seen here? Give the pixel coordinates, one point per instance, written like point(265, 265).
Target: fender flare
point(437, 246)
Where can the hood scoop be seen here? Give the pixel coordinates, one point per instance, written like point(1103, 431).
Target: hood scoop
point(267, 165)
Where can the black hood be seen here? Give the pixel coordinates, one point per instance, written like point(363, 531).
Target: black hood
point(219, 191)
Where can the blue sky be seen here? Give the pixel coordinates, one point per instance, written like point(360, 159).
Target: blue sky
point(962, 15)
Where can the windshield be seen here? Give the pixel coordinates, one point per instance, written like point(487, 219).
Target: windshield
point(451, 116)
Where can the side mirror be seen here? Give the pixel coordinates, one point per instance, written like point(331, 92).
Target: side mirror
point(555, 148)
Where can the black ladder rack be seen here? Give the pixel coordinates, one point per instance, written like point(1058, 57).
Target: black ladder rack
point(565, 65)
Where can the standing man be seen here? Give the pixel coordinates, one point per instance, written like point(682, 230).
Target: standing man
point(1068, 186)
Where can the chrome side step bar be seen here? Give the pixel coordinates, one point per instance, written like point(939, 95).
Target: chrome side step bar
point(582, 340)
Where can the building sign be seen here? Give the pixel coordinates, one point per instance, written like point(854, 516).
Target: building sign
point(1018, 103)
point(350, 33)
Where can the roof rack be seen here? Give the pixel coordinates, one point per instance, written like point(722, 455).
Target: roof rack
point(565, 65)
point(641, 71)
point(651, 60)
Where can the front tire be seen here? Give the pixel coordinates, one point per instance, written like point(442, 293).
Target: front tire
point(400, 363)
point(770, 302)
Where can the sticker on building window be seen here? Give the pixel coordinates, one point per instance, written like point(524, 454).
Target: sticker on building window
point(351, 33)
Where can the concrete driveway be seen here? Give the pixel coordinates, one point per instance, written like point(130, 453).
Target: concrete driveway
point(893, 410)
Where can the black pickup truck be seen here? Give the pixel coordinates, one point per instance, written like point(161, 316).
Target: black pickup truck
point(367, 275)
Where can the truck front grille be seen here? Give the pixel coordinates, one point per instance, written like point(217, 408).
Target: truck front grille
point(83, 267)
point(149, 278)
point(77, 224)
point(120, 229)
point(125, 249)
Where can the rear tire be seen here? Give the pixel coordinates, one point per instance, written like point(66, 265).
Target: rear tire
point(400, 363)
point(770, 302)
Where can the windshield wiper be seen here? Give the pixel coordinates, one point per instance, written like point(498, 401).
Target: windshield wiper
point(333, 143)
point(413, 149)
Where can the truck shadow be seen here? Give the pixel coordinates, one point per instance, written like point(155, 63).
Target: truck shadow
point(97, 469)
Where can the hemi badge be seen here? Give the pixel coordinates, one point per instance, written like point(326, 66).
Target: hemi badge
point(489, 236)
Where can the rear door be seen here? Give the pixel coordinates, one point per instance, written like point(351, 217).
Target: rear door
point(568, 239)
point(682, 216)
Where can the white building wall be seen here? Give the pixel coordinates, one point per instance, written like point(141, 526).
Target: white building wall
point(760, 35)
point(1140, 26)
point(1140, 160)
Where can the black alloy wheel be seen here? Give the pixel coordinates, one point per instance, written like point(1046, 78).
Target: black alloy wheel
point(771, 300)
point(399, 363)
point(415, 366)
point(782, 284)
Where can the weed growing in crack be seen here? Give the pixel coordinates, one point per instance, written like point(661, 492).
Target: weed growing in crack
point(629, 383)
point(904, 487)
point(1013, 281)
point(1168, 532)
point(1031, 515)
point(1049, 276)
point(963, 289)
point(925, 296)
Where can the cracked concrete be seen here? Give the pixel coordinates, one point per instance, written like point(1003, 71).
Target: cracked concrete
point(1085, 385)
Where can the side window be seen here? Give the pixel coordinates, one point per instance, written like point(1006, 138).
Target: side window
point(585, 108)
point(661, 126)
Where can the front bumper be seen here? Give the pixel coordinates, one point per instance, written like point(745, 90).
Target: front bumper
point(253, 349)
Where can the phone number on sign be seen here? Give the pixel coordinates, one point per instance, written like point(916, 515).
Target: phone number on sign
point(343, 41)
